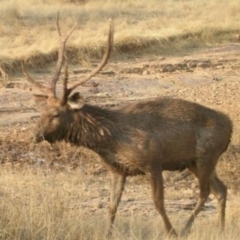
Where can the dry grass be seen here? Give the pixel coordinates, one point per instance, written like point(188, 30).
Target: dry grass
point(36, 204)
point(27, 30)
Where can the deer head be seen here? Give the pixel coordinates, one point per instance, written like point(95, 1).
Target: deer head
point(57, 113)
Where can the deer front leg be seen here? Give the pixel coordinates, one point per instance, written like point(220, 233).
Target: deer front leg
point(116, 190)
point(156, 180)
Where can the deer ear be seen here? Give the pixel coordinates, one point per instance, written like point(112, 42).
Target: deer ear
point(76, 101)
point(41, 99)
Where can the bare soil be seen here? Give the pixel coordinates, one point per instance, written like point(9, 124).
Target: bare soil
point(208, 76)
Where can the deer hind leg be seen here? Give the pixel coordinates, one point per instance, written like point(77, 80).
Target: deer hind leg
point(219, 190)
point(158, 197)
point(116, 190)
point(202, 170)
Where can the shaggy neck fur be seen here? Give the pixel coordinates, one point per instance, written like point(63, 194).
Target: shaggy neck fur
point(92, 127)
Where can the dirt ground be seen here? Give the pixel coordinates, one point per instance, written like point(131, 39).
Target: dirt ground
point(207, 76)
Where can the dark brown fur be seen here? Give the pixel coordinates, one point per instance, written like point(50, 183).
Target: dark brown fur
point(142, 138)
point(147, 138)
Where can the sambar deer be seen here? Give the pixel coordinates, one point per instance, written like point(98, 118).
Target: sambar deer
point(146, 137)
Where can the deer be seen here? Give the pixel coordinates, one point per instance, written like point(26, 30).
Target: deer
point(142, 138)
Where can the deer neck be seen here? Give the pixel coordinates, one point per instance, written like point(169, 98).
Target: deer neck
point(92, 127)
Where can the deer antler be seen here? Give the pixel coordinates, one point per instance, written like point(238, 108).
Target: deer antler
point(60, 60)
point(51, 90)
point(42, 88)
point(103, 62)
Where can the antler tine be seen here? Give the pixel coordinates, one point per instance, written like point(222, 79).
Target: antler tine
point(34, 83)
point(58, 28)
point(60, 60)
point(102, 63)
point(65, 80)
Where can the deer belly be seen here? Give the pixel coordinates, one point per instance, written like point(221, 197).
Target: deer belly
point(121, 164)
point(179, 153)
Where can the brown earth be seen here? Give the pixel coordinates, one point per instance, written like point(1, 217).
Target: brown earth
point(208, 76)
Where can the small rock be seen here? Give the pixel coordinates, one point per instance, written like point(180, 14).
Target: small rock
point(193, 185)
point(168, 68)
point(146, 72)
point(188, 191)
point(216, 79)
point(128, 199)
point(96, 205)
point(9, 85)
point(95, 90)
point(181, 65)
point(204, 64)
point(219, 67)
point(192, 64)
point(146, 65)
point(189, 70)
